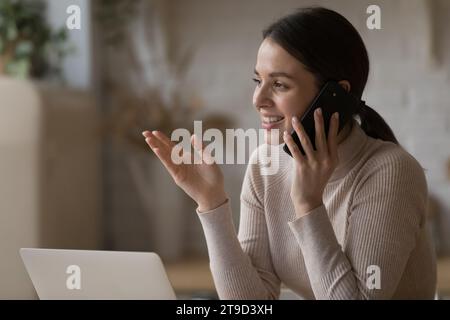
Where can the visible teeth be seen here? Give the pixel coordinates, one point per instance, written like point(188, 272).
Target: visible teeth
point(272, 119)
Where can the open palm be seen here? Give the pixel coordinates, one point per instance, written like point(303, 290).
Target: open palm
point(203, 182)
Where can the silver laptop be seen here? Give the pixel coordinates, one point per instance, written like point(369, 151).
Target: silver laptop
point(100, 275)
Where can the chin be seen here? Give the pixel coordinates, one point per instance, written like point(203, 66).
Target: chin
point(273, 137)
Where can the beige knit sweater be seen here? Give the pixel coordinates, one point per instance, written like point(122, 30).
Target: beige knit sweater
point(374, 214)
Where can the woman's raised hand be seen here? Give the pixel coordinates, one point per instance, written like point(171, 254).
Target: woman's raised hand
point(203, 182)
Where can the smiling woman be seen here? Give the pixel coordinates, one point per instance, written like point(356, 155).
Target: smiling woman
point(344, 221)
point(284, 87)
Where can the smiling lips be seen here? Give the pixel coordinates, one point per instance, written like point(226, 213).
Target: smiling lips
point(269, 122)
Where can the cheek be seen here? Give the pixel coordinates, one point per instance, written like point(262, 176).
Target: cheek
point(292, 106)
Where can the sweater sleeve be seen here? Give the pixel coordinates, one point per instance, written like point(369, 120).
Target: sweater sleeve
point(387, 213)
point(241, 264)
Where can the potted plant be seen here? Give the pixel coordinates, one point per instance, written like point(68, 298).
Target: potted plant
point(28, 46)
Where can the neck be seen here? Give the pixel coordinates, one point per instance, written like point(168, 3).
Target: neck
point(345, 132)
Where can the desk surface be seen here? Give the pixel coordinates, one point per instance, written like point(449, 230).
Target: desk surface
point(193, 275)
point(443, 284)
point(190, 275)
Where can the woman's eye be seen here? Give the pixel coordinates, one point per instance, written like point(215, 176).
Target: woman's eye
point(276, 84)
point(280, 85)
point(256, 80)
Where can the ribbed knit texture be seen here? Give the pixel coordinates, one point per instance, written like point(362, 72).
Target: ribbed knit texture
point(374, 214)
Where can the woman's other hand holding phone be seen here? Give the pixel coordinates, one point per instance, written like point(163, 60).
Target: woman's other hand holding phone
point(312, 171)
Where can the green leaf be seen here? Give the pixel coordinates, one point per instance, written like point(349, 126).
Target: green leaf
point(19, 68)
point(11, 32)
point(24, 49)
point(38, 48)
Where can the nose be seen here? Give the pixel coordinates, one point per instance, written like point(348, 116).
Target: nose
point(262, 98)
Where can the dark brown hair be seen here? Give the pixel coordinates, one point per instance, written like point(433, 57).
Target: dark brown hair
point(328, 45)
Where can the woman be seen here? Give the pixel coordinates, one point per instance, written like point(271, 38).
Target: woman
point(347, 220)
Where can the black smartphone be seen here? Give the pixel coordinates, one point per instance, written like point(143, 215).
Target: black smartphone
point(331, 98)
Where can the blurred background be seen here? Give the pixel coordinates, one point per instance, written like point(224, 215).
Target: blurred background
point(76, 94)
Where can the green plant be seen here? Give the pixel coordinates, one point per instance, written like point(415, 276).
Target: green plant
point(114, 16)
point(28, 46)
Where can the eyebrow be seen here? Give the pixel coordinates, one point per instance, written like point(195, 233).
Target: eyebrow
point(277, 74)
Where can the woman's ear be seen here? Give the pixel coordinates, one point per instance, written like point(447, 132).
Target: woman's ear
point(346, 85)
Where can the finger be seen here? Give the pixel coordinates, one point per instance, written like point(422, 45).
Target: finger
point(159, 147)
point(198, 149)
point(304, 139)
point(321, 141)
point(293, 148)
point(151, 140)
point(158, 140)
point(154, 142)
point(199, 146)
point(332, 136)
point(197, 143)
point(164, 139)
point(163, 155)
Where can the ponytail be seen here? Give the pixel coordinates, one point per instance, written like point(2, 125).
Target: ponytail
point(374, 125)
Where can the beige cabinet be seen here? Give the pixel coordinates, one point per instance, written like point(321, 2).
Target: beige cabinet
point(49, 176)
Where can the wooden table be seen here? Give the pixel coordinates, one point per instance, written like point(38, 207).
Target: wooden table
point(443, 276)
point(193, 275)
